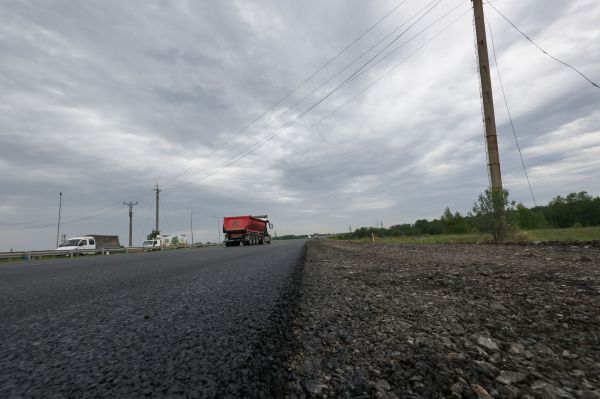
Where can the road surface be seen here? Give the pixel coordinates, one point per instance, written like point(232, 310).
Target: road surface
point(180, 324)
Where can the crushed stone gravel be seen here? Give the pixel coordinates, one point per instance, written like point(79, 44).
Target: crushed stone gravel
point(446, 321)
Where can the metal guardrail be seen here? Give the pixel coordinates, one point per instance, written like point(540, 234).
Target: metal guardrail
point(168, 247)
point(31, 255)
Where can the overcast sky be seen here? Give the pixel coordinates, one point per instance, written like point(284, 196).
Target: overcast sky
point(102, 100)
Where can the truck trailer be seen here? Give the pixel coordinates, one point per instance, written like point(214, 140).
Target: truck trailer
point(246, 230)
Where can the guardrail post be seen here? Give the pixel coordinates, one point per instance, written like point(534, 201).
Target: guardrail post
point(27, 256)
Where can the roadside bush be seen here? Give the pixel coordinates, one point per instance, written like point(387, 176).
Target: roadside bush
point(574, 210)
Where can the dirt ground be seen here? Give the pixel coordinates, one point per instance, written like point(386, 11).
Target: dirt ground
point(447, 321)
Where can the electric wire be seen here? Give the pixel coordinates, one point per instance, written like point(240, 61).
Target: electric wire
point(374, 82)
point(335, 75)
point(393, 51)
point(162, 211)
point(66, 219)
point(512, 125)
point(304, 82)
point(357, 73)
point(55, 218)
point(364, 89)
point(242, 155)
point(544, 51)
point(141, 234)
point(46, 225)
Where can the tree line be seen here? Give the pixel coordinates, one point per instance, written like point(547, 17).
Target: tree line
point(574, 210)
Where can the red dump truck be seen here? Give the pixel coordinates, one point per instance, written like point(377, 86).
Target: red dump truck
point(246, 230)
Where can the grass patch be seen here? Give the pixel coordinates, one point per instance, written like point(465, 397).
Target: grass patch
point(432, 239)
point(568, 234)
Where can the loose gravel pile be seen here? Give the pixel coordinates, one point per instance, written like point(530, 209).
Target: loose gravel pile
point(452, 321)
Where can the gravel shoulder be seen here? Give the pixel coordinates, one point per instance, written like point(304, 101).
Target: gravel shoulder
point(457, 321)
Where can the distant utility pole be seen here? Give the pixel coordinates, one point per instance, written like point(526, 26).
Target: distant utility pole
point(157, 192)
point(490, 121)
point(130, 205)
point(192, 226)
point(59, 209)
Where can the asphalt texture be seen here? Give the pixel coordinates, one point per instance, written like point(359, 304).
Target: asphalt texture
point(188, 323)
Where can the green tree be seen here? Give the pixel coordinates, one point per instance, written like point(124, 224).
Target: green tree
point(576, 208)
point(487, 213)
point(453, 223)
point(530, 219)
point(153, 235)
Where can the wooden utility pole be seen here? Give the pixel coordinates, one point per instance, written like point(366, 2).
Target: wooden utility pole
point(157, 191)
point(192, 226)
point(130, 205)
point(59, 209)
point(490, 121)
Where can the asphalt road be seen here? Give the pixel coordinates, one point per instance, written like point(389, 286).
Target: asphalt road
point(185, 323)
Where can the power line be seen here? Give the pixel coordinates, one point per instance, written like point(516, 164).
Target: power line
point(339, 72)
point(509, 115)
point(39, 226)
point(544, 51)
point(432, 5)
point(306, 80)
point(373, 83)
point(166, 218)
point(357, 73)
point(355, 95)
point(390, 53)
point(32, 224)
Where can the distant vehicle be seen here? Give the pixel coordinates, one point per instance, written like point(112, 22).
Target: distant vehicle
point(246, 230)
point(165, 241)
point(151, 244)
point(90, 242)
